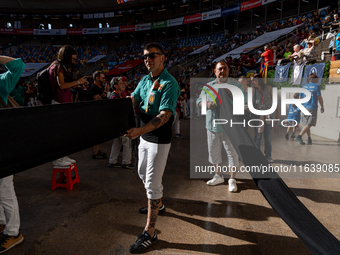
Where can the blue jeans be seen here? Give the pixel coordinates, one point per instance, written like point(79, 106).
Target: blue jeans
point(267, 138)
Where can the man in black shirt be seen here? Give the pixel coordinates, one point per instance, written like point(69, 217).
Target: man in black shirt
point(156, 95)
point(327, 25)
point(335, 22)
point(96, 92)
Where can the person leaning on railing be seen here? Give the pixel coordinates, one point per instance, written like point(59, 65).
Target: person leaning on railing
point(309, 53)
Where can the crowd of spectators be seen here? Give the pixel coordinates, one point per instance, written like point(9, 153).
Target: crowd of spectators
point(45, 54)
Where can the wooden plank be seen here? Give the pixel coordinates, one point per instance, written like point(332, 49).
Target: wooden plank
point(334, 71)
point(335, 64)
point(335, 79)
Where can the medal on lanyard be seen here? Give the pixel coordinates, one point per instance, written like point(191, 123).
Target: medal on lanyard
point(151, 96)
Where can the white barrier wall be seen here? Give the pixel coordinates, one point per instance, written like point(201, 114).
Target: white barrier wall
point(328, 123)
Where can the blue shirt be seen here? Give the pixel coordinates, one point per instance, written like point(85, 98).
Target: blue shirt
point(337, 42)
point(9, 79)
point(294, 113)
point(315, 90)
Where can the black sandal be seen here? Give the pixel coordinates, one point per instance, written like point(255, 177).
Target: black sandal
point(98, 156)
point(102, 153)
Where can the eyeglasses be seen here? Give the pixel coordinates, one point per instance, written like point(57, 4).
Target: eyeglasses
point(151, 55)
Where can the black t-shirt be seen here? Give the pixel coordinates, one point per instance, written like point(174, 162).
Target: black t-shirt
point(335, 22)
point(161, 135)
point(94, 90)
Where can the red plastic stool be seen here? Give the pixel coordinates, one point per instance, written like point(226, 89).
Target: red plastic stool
point(65, 179)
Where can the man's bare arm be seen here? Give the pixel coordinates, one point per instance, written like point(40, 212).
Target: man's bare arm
point(4, 59)
point(161, 119)
point(155, 123)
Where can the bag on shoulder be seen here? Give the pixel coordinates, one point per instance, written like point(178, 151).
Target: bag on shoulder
point(45, 92)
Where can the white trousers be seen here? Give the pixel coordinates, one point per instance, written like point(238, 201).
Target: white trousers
point(115, 149)
point(33, 100)
point(176, 123)
point(215, 142)
point(152, 158)
point(184, 107)
point(9, 208)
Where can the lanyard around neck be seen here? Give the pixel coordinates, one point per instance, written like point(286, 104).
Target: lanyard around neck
point(155, 83)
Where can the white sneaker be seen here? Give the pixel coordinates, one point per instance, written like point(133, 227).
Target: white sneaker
point(61, 162)
point(232, 185)
point(217, 179)
point(72, 161)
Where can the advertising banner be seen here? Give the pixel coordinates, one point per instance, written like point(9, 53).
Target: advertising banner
point(74, 31)
point(49, 31)
point(141, 27)
point(250, 4)
point(318, 69)
point(129, 28)
point(211, 15)
point(231, 10)
point(90, 31)
point(175, 22)
point(8, 31)
point(88, 16)
point(109, 14)
point(98, 15)
point(109, 30)
point(192, 18)
point(160, 24)
point(24, 31)
point(281, 73)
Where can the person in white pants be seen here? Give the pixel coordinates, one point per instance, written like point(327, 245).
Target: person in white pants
point(216, 137)
point(9, 209)
point(115, 149)
point(118, 86)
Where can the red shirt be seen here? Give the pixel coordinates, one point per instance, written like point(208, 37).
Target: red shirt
point(245, 59)
point(60, 95)
point(252, 62)
point(268, 56)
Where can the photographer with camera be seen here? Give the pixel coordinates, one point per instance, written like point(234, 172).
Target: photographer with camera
point(98, 92)
point(61, 75)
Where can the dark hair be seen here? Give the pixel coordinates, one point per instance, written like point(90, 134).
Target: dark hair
point(115, 81)
point(96, 74)
point(296, 95)
point(65, 55)
point(222, 62)
point(153, 45)
point(311, 76)
point(260, 79)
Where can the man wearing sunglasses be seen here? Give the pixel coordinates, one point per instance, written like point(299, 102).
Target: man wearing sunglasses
point(156, 95)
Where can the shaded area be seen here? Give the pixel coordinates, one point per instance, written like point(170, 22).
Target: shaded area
point(56, 131)
point(310, 231)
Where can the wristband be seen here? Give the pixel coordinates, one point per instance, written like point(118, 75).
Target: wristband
point(78, 82)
